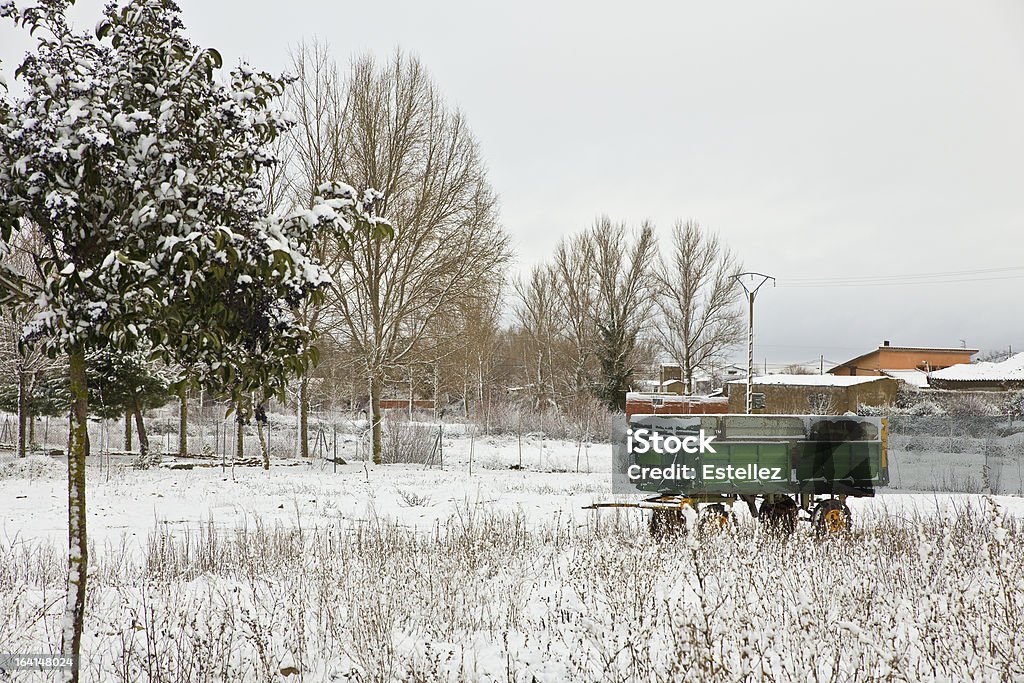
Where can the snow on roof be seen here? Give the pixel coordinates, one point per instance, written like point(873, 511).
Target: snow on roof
point(1009, 370)
point(915, 378)
point(811, 380)
point(671, 398)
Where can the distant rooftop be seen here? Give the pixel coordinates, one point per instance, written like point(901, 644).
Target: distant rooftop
point(671, 398)
point(886, 346)
point(811, 380)
point(956, 349)
point(1009, 370)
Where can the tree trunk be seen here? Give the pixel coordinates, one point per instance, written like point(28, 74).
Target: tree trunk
point(183, 422)
point(78, 547)
point(412, 395)
point(22, 412)
point(304, 417)
point(128, 431)
point(480, 382)
point(140, 427)
point(240, 420)
point(260, 416)
point(437, 391)
point(378, 437)
point(352, 396)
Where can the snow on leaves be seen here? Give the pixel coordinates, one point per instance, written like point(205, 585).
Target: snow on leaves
point(142, 171)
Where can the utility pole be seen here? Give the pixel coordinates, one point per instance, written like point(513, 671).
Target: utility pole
point(754, 282)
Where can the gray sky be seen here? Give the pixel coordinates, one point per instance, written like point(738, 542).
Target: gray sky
point(822, 140)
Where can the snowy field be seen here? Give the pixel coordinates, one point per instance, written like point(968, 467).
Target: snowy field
point(401, 572)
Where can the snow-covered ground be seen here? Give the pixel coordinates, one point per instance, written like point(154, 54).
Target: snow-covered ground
point(125, 502)
point(402, 572)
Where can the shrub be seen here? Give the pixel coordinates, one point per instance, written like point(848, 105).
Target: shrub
point(405, 441)
point(584, 421)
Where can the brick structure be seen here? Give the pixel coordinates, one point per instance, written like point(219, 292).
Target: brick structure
point(403, 404)
point(673, 404)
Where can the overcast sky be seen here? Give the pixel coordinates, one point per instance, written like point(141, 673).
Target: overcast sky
point(823, 140)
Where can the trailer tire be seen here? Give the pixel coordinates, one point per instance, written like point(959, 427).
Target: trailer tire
point(779, 517)
point(831, 517)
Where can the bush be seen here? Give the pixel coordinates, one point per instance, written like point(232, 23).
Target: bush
point(975, 405)
point(1013, 405)
point(491, 597)
point(405, 441)
point(586, 421)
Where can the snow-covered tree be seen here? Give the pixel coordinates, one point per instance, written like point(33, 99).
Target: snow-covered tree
point(141, 171)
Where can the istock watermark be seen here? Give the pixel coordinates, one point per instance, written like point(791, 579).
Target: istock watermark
point(644, 440)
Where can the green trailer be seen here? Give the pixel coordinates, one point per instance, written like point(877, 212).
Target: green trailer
point(778, 465)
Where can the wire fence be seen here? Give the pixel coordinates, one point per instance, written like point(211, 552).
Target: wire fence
point(333, 435)
point(210, 434)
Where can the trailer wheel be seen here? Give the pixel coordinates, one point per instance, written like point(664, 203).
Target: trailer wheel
point(714, 518)
point(779, 516)
point(665, 523)
point(831, 517)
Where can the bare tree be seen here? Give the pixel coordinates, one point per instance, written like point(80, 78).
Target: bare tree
point(576, 294)
point(314, 145)
point(624, 274)
point(797, 369)
point(463, 348)
point(399, 136)
point(821, 403)
point(311, 154)
point(537, 317)
point(697, 300)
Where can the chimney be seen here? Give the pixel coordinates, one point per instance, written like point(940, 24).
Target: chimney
point(885, 343)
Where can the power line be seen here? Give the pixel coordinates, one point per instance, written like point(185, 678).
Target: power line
point(895, 283)
point(903, 276)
